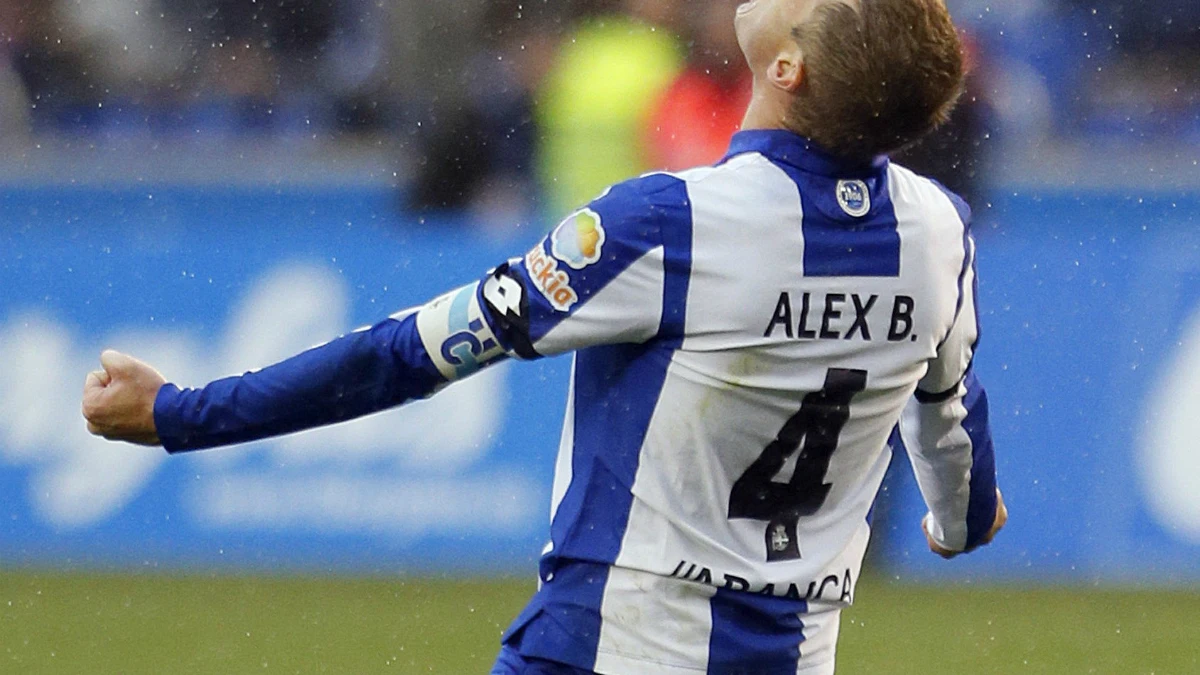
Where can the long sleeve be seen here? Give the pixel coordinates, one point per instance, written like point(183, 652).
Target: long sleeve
point(948, 435)
point(355, 375)
point(408, 356)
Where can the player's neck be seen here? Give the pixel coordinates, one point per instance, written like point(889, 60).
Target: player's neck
point(768, 108)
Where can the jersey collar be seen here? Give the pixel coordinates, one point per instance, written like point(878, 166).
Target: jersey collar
point(784, 146)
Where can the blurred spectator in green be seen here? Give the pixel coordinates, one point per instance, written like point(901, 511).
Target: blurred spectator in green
point(694, 120)
point(598, 98)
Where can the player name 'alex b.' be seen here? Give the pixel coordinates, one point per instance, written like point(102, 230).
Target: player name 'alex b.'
point(842, 316)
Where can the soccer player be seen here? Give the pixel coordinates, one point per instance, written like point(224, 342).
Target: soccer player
point(746, 337)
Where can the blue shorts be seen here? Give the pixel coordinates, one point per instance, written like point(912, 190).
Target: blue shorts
point(512, 663)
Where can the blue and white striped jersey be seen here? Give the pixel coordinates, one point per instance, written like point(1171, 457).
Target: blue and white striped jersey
point(747, 337)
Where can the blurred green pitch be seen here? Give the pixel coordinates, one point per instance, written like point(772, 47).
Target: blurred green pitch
point(88, 623)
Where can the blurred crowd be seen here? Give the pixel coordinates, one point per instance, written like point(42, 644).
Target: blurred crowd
point(188, 66)
point(510, 106)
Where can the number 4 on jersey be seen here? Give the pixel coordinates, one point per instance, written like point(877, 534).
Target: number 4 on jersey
point(817, 426)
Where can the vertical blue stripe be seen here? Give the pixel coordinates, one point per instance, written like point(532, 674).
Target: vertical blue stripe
point(968, 264)
point(837, 244)
point(975, 299)
point(981, 509)
point(562, 621)
point(616, 391)
point(617, 388)
point(754, 634)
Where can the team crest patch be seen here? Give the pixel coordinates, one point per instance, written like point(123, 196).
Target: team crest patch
point(579, 240)
point(854, 197)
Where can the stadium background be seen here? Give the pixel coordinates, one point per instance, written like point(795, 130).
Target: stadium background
point(215, 184)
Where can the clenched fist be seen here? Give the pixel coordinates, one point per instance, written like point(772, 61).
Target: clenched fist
point(118, 401)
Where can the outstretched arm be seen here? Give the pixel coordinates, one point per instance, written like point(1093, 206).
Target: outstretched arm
point(402, 358)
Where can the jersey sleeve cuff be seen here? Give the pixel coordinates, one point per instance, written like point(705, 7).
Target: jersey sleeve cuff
point(950, 539)
point(167, 423)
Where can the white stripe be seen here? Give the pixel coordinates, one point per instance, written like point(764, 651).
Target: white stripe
point(563, 470)
point(941, 453)
point(654, 625)
point(818, 651)
point(625, 310)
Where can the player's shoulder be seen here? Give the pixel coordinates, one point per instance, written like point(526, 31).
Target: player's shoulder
point(661, 202)
point(640, 209)
point(663, 187)
point(926, 195)
point(639, 197)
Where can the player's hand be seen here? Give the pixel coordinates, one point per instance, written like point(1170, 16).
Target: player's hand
point(118, 401)
point(997, 525)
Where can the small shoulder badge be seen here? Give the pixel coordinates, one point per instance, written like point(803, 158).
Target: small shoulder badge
point(579, 240)
point(854, 197)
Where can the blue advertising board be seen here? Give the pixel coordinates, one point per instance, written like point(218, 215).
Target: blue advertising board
point(208, 283)
point(1091, 354)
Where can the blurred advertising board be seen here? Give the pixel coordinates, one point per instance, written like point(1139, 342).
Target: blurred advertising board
point(1091, 354)
point(206, 283)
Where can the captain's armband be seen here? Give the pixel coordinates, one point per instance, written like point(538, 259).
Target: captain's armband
point(456, 334)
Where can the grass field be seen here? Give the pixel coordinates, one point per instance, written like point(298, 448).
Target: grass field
point(77, 623)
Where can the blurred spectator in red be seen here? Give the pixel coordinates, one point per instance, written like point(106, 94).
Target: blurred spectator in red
point(704, 106)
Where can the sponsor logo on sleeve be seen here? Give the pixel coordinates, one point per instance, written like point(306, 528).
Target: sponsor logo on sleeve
point(579, 240)
point(854, 197)
point(554, 284)
point(455, 334)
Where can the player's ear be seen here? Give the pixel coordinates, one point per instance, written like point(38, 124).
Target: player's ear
point(786, 72)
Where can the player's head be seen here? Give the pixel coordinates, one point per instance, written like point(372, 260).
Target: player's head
point(859, 77)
